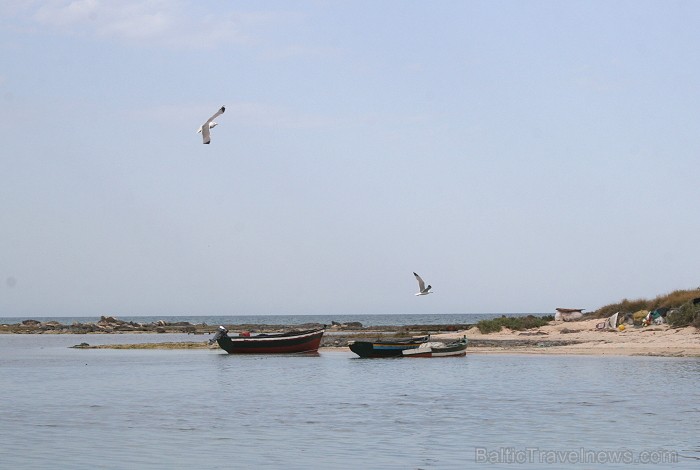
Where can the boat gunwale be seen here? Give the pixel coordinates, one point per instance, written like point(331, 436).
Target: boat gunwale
point(275, 336)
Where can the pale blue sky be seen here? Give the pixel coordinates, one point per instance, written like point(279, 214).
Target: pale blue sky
point(519, 155)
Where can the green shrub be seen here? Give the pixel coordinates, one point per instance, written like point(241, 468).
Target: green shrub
point(514, 323)
point(489, 326)
point(687, 315)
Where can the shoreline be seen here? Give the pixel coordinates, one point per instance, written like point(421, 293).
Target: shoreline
point(555, 338)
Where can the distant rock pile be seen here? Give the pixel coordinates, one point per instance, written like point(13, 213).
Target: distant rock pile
point(109, 324)
point(106, 324)
point(351, 325)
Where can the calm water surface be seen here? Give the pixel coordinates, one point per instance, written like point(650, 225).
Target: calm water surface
point(146, 409)
point(366, 320)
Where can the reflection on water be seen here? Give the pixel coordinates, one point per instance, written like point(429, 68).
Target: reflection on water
point(114, 409)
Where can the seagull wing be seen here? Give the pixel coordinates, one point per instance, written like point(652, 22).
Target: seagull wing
point(205, 127)
point(217, 114)
point(421, 284)
point(205, 134)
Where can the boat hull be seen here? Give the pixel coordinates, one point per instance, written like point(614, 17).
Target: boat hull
point(285, 343)
point(386, 348)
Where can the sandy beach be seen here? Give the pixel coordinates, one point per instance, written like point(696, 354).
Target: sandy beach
point(585, 339)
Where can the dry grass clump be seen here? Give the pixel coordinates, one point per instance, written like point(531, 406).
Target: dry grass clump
point(673, 300)
point(182, 345)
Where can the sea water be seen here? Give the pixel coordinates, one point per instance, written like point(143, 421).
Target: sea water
point(365, 319)
point(66, 408)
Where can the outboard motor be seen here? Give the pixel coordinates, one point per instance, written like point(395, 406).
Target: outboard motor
point(219, 333)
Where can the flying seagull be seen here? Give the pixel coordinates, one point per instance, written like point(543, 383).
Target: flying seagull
point(204, 128)
point(421, 286)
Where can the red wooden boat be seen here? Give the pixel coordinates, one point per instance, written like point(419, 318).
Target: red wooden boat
point(297, 341)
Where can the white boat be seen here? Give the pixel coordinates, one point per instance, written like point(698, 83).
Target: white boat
point(438, 349)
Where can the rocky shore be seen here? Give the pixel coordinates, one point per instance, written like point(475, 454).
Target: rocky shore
point(337, 334)
point(104, 325)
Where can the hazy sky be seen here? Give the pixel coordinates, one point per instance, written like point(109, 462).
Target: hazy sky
point(519, 155)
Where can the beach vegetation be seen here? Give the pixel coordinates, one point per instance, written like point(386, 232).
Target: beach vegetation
point(687, 315)
point(514, 323)
point(672, 300)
